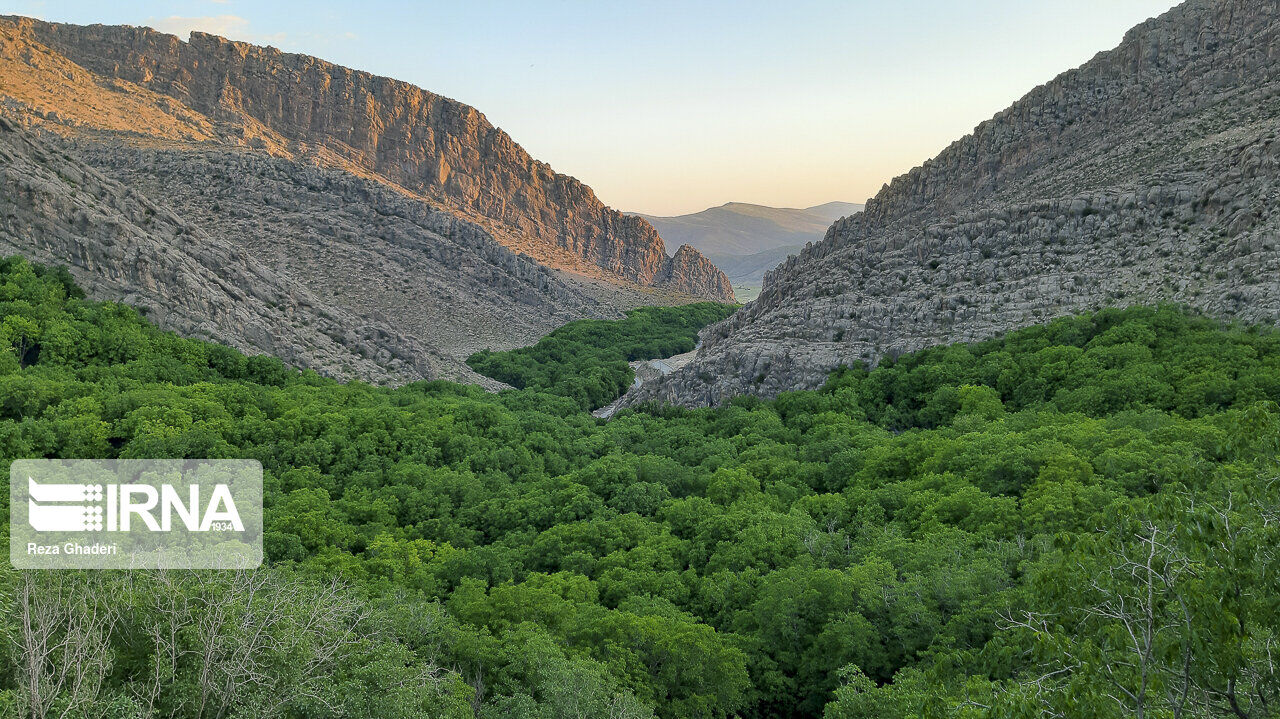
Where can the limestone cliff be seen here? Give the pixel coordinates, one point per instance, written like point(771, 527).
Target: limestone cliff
point(440, 148)
point(695, 274)
point(253, 219)
point(1150, 174)
point(320, 268)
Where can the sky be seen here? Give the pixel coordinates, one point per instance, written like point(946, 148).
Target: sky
point(669, 107)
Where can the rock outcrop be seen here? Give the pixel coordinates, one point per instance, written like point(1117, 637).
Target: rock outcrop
point(1150, 174)
point(431, 145)
point(695, 275)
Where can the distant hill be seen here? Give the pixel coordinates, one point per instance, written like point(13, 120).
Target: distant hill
point(738, 228)
point(745, 240)
point(751, 268)
point(746, 272)
point(832, 211)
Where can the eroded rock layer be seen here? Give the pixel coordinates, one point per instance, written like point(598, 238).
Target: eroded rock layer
point(321, 268)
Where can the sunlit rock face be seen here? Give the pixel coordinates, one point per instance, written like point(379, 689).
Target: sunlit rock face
point(347, 223)
point(1150, 174)
point(440, 148)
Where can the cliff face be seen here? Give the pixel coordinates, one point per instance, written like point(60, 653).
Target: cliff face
point(1149, 174)
point(320, 268)
point(351, 224)
point(428, 144)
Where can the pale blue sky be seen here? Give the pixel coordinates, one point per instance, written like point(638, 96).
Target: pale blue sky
point(669, 107)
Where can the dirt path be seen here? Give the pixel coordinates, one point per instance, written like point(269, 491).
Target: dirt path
point(648, 371)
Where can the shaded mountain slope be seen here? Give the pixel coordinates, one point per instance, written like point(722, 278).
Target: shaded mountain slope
point(751, 269)
point(327, 270)
point(1149, 174)
point(353, 274)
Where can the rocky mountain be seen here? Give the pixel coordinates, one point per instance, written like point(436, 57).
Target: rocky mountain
point(346, 222)
point(745, 240)
point(321, 268)
point(739, 229)
point(1149, 174)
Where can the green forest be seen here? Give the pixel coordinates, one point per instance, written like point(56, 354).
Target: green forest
point(587, 360)
point(1077, 519)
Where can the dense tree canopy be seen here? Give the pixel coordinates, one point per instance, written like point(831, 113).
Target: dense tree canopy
point(587, 360)
point(1076, 519)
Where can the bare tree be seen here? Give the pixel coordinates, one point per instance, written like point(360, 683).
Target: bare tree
point(252, 643)
point(62, 642)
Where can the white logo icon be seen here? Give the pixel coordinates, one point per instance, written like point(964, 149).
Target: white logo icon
point(72, 515)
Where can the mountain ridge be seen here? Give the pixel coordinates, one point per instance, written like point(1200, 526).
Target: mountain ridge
point(430, 144)
point(1145, 175)
point(746, 240)
point(352, 275)
point(183, 272)
point(742, 228)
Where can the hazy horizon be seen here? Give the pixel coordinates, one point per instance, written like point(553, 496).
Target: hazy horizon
point(666, 109)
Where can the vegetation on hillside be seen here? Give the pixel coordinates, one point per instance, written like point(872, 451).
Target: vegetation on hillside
point(1077, 519)
point(587, 360)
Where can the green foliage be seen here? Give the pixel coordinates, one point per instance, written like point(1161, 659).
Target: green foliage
point(587, 360)
point(945, 535)
point(1097, 364)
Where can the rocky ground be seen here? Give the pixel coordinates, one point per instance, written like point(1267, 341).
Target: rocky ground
point(647, 371)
